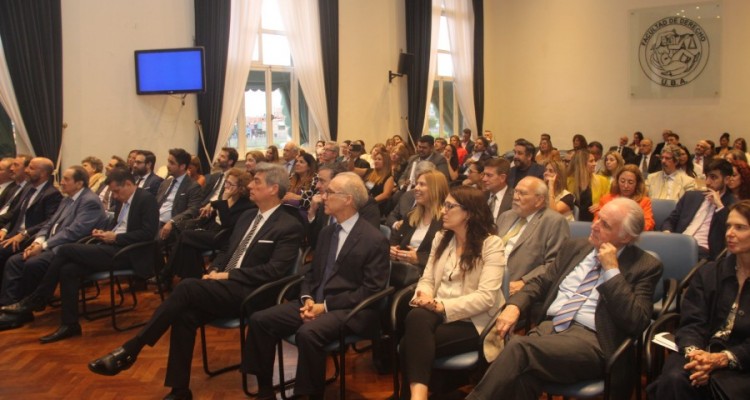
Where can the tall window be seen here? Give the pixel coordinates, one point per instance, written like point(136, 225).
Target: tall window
point(273, 102)
point(444, 114)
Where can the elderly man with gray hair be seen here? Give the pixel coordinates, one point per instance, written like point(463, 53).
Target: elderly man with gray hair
point(671, 182)
point(350, 264)
point(596, 294)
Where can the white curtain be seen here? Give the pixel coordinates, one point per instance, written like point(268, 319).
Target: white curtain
point(461, 34)
point(244, 24)
point(302, 23)
point(8, 101)
point(434, 35)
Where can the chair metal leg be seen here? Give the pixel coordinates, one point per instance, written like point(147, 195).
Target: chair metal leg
point(114, 310)
point(205, 358)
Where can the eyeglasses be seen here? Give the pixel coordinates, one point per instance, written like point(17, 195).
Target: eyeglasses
point(449, 206)
point(330, 192)
point(229, 184)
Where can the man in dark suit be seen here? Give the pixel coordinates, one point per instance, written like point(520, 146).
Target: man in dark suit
point(596, 294)
point(703, 214)
point(263, 247)
point(479, 154)
point(425, 152)
point(38, 202)
point(179, 196)
point(214, 186)
point(524, 165)
point(665, 136)
point(350, 264)
point(495, 180)
point(625, 151)
point(532, 233)
point(466, 142)
point(79, 213)
point(103, 192)
point(135, 221)
point(7, 185)
point(143, 170)
point(491, 146)
point(647, 161)
point(20, 180)
point(316, 216)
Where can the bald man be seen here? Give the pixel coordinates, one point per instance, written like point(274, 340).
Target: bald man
point(39, 201)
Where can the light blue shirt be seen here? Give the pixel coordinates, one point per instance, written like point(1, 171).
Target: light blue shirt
point(165, 211)
point(586, 314)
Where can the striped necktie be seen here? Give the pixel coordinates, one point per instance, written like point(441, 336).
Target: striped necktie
point(242, 247)
point(564, 317)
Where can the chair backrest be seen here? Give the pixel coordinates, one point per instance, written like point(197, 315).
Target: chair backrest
point(580, 229)
point(386, 231)
point(677, 252)
point(662, 209)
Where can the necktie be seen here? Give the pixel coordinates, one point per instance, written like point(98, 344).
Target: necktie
point(138, 182)
point(564, 317)
point(242, 247)
point(121, 215)
point(169, 190)
point(514, 231)
point(644, 166)
point(60, 216)
point(25, 206)
point(492, 203)
point(330, 261)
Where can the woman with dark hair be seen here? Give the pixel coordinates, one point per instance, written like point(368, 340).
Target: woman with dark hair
point(739, 182)
point(450, 154)
point(587, 187)
point(455, 141)
point(546, 152)
point(303, 183)
point(272, 154)
point(713, 336)
point(379, 181)
point(580, 143)
point(195, 172)
point(458, 293)
point(629, 183)
point(741, 145)
point(399, 160)
point(723, 147)
point(684, 163)
point(94, 167)
point(636, 143)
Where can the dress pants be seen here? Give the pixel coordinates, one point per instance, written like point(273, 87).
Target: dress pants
point(674, 382)
point(71, 263)
point(542, 356)
point(20, 277)
point(426, 338)
point(5, 254)
point(185, 259)
point(193, 303)
point(268, 326)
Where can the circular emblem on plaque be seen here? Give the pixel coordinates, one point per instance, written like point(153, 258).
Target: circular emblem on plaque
point(673, 51)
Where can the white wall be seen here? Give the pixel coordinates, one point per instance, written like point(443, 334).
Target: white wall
point(562, 67)
point(103, 112)
point(371, 34)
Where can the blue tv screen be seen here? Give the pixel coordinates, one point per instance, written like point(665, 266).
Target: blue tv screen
point(169, 71)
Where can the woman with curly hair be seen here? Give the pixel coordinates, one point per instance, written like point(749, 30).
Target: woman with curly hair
point(739, 182)
point(399, 160)
point(450, 154)
point(629, 183)
point(458, 293)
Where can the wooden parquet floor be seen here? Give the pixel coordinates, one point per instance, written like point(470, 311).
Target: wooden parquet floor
point(30, 370)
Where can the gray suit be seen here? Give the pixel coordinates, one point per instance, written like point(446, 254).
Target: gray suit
point(623, 310)
point(186, 200)
point(537, 247)
point(441, 164)
point(71, 222)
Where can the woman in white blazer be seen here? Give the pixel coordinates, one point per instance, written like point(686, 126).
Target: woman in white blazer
point(459, 292)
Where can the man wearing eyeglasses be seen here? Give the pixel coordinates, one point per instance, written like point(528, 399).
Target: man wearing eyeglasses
point(350, 264)
point(143, 171)
point(671, 182)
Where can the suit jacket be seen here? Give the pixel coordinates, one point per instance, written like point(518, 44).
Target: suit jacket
point(505, 204)
point(8, 193)
point(627, 154)
point(152, 183)
point(186, 200)
point(74, 221)
point(515, 175)
point(208, 189)
point(271, 253)
point(403, 235)
point(654, 163)
point(657, 189)
point(480, 296)
point(658, 148)
point(441, 164)
point(37, 212)
point(625, 302)
point(360, 270)
point(685, 211)
point(537, 247)
point(143, 223)
point(404, 205)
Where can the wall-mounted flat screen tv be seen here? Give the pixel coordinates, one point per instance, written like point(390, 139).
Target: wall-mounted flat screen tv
point(169, 71)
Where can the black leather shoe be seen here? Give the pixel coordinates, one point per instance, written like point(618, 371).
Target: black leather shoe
point(113, 363)
point(63, 332)
point(13, 321)
point(179, 394)
point(266, 393)
point(25, 306)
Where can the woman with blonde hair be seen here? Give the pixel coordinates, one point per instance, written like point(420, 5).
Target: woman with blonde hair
point(252, 158)
point(629, 183)
point(546, 152)
point(560, 199)
point(399, 160)
point(587, 187)
point(613, 163)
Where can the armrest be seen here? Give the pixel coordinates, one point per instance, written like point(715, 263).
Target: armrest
point(405, 293)
point(686, 282)
point(222, 235)
point(280, 284)
point(368, 302)
point(660, 325)
point(132, 247)
point(670, 293)
point(294, 282)
point(626, 345)
point(86, 240)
